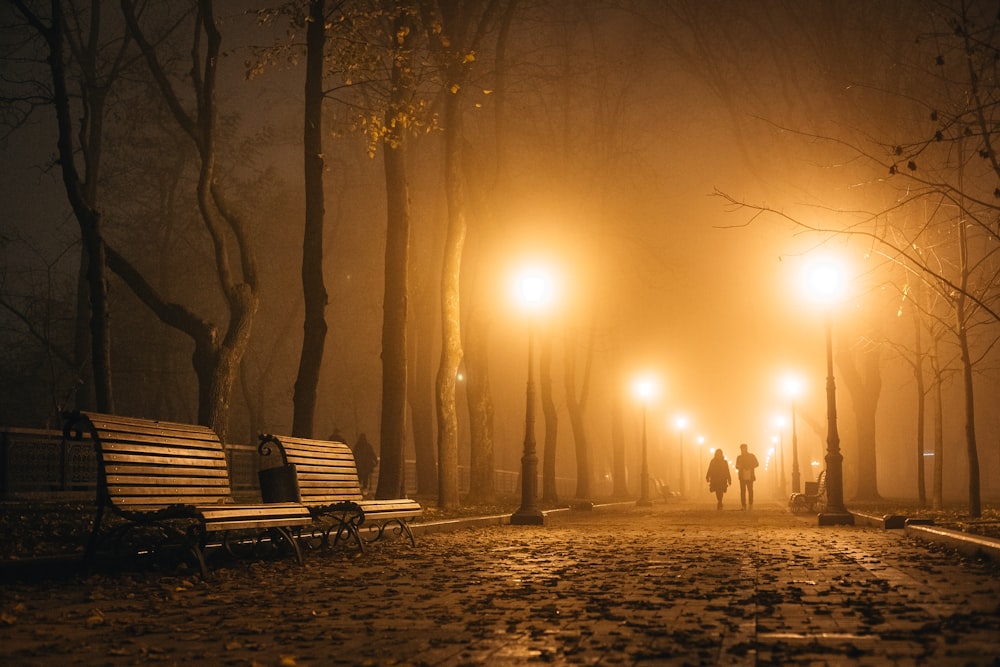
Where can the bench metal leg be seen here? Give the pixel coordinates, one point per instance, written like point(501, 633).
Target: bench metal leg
point(399, 527)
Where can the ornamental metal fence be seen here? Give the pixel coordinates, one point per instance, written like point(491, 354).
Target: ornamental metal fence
point(40, 465)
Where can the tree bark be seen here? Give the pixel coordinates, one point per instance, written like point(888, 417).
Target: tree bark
point(314, 293)
point(575, 404)
point(216, 362)
point(480, 399)
point(550, 492)
point(392, 471)
point(918, 375)
point(421, 390)
point(81, 189)
point(864, 385)
point(451, 335)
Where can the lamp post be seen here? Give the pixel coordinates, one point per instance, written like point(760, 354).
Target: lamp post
point(792, 388)
point(772, 460)
point(781, 455)
point(701, 441)
point(534, 292)
point(644, 388)
point(826, 283)
point(681, 424)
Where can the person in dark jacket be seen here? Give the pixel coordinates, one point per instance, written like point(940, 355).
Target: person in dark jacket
point(746, 466)
point(366, 458)
point(718, 476)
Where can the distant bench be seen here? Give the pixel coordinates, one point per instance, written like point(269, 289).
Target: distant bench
point(814, 497)
point(169, 483)
point(323, 475)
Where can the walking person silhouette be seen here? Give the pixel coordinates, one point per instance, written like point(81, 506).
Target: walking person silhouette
point(746, 463)
point(718, 477)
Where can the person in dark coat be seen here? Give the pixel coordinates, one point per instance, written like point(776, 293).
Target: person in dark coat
point(366, 458)
point(746, 465)
point(718, 476)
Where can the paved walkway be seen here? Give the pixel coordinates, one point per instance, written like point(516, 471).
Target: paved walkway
point(671, 585)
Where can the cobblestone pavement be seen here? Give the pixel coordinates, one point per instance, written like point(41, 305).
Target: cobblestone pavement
point(673, 585)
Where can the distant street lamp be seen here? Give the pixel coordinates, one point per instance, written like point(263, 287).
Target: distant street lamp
point(681, 424)
point(701, 441)
point(826, 283)
point(780, 422)
point(535, 293)
point(793, 387)
point(645, 387)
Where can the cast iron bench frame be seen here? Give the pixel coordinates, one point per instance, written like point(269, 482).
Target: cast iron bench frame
point(326, 476)
point(810, 502)
point(166, 484)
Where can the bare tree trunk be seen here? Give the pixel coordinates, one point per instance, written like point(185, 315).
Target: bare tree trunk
point(480, 401)
point(451, 336)
point(421, 392)
point(619, 469)
point(864, 385)
point(575, 405)
point(962, 317)
point(216, 359)
point(550, 492)
point(918, 374)
point(392, 474)
point(392, 471)
point(937, 492)
point(968, 393)
point(313, 287)
point(81, 189)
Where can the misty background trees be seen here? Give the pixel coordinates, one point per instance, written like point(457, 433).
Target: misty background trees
point(302, 216)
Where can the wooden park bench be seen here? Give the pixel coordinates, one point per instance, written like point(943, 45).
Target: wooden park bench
point(813, 499)
point(323, 476)
point(163, 485)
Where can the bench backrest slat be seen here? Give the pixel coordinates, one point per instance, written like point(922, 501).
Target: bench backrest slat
point(326, 470)
point(156, 463)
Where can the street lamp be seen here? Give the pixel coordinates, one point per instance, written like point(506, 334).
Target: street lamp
point(645, 387)
point(701, 441)
point(793, 387)
point(826, 282)
point(780, 422)
point(681, 424)
point(535, 293)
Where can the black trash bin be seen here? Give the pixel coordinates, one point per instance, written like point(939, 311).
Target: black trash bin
point(279, 484)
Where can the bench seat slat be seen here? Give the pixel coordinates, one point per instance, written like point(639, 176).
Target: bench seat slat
point(166, 450)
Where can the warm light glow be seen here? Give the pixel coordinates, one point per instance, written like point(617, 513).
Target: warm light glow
point(535, 287)
point(825, 280)
point(681, 421)
point(791, 386)
point(780, 422)
point(701, 440)
point(645, 387)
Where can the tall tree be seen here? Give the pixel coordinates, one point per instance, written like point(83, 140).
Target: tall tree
point(398, 111)
point(80, 149)
point(313, 287)
point(859, 365)
point(454, 28)
point(217, 354)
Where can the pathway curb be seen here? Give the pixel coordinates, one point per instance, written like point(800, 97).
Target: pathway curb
point(966, 543)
